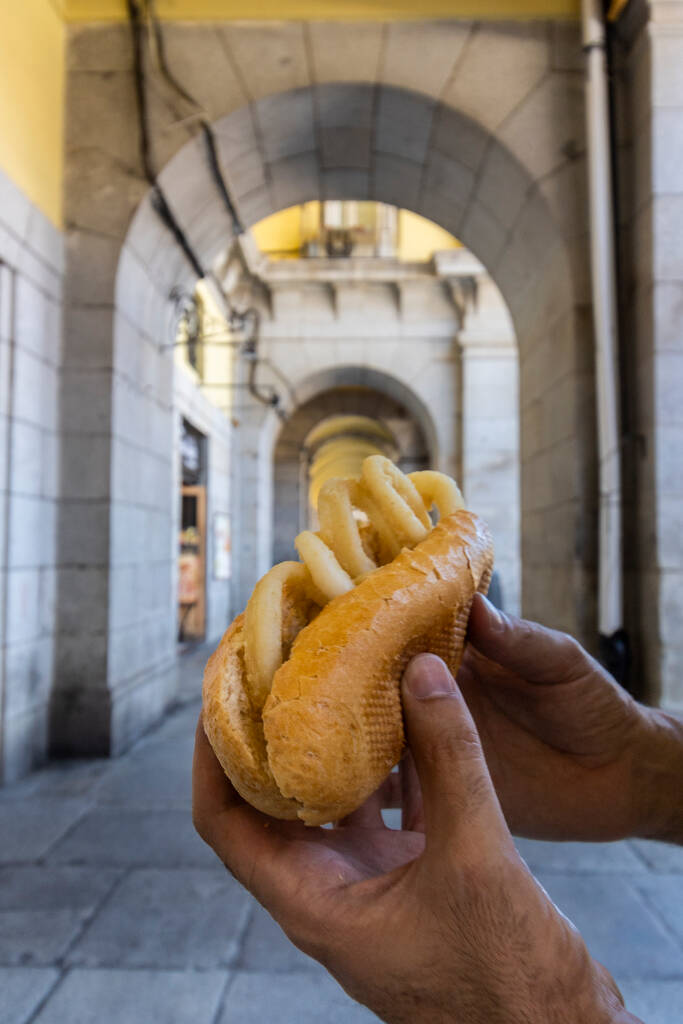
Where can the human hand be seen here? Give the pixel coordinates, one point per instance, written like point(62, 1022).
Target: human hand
point(571, 754)
point(442, 925)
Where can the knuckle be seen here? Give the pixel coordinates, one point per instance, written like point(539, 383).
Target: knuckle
point(571, 645)
point(452, 745)
point(442, 748)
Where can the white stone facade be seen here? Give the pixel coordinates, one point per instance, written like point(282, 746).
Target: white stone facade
point(31, 289)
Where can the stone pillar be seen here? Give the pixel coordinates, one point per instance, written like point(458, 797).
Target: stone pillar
point(252, 487)
point(116, 608)
point(652, 300)
point(490, 449)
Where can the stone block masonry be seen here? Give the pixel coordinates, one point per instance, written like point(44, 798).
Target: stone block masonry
point(31, 288)
point(651, 214)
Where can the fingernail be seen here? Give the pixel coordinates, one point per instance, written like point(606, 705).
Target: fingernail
point(494, 613)
point(427, 676)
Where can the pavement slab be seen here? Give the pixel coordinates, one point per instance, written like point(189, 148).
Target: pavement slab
point(122, 997)
point(664, 896)
point(662, 857)
point(134, 838)
point(597, 858)
point(266, 945)
point(180, 723)
point(155, 776)
point(167, 919)
point(616, 924)
point(113, 911)
point(22, 989)
point(58, 780)
point(42, 909)
point(654, 1002)
point(191, 666)
point(29, 828)
point(297, 997)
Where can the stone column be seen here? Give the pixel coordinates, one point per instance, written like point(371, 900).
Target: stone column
point(652, 241)
point(252, 486)
point(490, 450)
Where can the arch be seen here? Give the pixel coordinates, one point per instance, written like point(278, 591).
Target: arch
point(513, 205)
point(371, 380)
point(341, 390)
point(509, 189)
point(404, 148)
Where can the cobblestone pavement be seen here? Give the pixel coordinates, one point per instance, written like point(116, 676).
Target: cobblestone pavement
point(112, 910)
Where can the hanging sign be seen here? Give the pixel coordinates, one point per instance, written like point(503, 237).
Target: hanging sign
point(222, 564)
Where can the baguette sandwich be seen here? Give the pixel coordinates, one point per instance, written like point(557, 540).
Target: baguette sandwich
point(301, 700)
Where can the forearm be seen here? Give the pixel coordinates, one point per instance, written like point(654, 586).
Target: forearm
point(660, 780)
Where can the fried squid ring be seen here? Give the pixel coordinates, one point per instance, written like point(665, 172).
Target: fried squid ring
point(340, 529)
point(393, 511)
point(401, 505)
point(280, 603)
point(325, 570)
point(437, 489)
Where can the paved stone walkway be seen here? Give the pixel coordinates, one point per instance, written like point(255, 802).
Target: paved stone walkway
point(112, 910)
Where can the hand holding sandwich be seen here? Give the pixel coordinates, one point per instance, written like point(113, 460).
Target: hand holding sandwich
point(440, 921)
point(571, 754)
point(445, 925)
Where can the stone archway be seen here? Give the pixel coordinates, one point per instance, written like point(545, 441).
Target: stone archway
point(524, 222)
point(511, 190)
point(373, 398)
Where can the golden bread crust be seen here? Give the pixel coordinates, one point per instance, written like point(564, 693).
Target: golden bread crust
point(332, 725)
point(235, 730)
point(333, 721)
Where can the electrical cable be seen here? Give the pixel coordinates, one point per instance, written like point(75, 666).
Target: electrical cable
point(159, 201)
point(237, 319)
point(281, 376)
point(209, 136)
point(212, 154)
point(250, 351)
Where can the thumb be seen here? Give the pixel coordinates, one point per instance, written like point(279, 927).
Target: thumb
point(460, 803)
point(538, 654)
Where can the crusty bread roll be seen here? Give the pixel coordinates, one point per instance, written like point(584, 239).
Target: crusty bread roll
point(331, 728)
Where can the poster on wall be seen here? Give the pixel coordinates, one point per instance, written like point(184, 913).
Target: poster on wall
point(221, 546)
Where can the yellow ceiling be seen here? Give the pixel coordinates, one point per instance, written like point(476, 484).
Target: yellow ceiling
point(333, 10)
point(283, 234)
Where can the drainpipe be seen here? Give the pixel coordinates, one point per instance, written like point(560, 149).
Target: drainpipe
point(612, 638)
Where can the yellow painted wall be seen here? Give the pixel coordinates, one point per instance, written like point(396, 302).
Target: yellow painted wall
point(32, 62)
point(333, 10)
point(282, 234)
point(418, 237)
point(32, 100)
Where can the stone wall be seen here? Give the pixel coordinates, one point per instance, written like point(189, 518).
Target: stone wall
point(305, 111)
point(31, 282)
point(490, 453)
